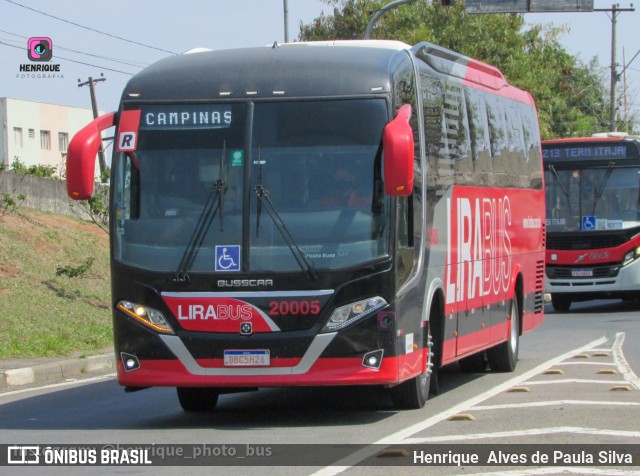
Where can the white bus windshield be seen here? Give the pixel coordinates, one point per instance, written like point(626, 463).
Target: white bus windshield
point(592, 199)
point(310, 169)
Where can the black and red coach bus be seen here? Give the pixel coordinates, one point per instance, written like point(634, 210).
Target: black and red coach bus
point(593, 218)
point(331, 213)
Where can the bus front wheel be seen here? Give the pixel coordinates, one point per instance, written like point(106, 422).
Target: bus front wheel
point(198, 399)
point(560, 302)
point(411, 394)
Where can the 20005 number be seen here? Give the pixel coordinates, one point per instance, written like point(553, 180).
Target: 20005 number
point(288, 308)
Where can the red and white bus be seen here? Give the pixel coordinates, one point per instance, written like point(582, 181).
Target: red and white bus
point(593, 218)
point(331, 213)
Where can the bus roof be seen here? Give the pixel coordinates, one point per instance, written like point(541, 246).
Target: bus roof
point(305, 69)
point(292, 70)
point(601, 137)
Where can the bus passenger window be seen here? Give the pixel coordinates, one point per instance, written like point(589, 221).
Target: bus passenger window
point(127, 191)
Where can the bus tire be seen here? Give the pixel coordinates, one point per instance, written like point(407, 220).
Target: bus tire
point(560, 302)
point(198, 399)
point(412, 394)
point(504, 357)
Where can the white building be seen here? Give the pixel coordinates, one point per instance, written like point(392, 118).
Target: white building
point(38, 133)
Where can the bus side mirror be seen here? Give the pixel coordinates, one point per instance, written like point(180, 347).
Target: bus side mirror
point(397, 143)
point(81, 157)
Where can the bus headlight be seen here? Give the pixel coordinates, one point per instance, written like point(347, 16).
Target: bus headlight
point(346, 315)
point(630, 256)
point(145, 315)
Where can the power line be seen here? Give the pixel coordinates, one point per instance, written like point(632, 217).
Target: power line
point(75, 61)
point(629, 63)
point(58, 46)
point(90, 29)
point(96, 66)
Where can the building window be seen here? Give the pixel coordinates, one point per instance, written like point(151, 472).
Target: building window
point(17, 136)
point(32, 134)
point(45, 140)
point(63, 141)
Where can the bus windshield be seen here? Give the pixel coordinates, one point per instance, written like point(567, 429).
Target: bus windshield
point(297, 183)
point(591, 199)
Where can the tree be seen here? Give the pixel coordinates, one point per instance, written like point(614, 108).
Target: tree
point(571, 97)
point(96, 208)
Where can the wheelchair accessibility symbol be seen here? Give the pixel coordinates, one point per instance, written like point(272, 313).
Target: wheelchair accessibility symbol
point(588, 222)
point(228, 258)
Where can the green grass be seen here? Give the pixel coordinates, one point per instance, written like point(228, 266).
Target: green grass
point(44, 315)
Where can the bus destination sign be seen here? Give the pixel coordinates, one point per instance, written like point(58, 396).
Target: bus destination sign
point(589, 152)
point(186, 117)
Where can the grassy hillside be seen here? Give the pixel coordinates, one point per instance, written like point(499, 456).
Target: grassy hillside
point(45, 315)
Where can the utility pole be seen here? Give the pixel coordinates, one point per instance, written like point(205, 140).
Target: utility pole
point(94, 106)
point(286, 20)
point(624, 74)
point(614, 77)
point(615, 11)
point(624, 94)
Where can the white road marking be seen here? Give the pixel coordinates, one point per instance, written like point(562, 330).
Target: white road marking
point(574, 380)
point(399, 436)
point(623, 366)
point(552, 403)
point(531, 432)
point(66, 383)
point(600, 364)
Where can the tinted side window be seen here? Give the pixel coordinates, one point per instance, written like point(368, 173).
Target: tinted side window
point(409, 208)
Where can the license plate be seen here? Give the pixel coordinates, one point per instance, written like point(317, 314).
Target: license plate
point(582, 273)
point(247, 358)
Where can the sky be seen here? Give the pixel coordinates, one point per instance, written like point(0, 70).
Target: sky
point(84, 40)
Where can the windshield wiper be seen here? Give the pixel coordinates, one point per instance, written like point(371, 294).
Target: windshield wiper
point(600, 187)
point(560, 181)
point(215, 202)
point(264, 198)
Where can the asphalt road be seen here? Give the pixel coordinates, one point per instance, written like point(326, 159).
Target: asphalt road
point(576, 384)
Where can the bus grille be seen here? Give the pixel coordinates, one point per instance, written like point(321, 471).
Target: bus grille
point(589, 241)
point(565, 272)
